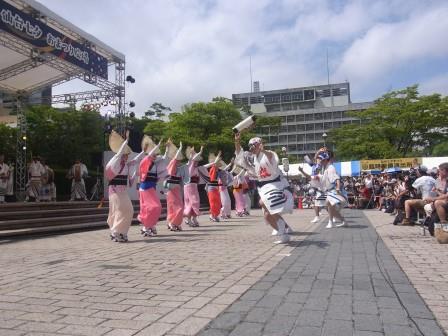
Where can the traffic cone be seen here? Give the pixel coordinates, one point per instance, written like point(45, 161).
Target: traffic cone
point(299, 203)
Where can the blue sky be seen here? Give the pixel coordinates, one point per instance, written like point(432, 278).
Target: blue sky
point(183, 51)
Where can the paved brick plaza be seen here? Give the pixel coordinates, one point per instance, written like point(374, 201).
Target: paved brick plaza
point(225, 279)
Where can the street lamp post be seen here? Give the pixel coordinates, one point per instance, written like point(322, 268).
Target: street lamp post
point(324, 137)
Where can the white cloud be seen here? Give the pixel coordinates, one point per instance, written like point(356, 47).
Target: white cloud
point(189, 50)
point(436, 84)
point(387, 46)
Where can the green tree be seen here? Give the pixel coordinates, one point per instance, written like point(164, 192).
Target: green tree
point(209, 124)
point(62, 136)
point(400, 123)
point(8, 141)
point(157, 110)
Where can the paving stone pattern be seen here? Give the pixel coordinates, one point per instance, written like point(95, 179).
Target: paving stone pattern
point(340, 281)
point(424, 261)
point(173, 284)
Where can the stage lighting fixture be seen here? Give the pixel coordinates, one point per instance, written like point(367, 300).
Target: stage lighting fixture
point(132, 115)
point(130, 79)
point(131, 104)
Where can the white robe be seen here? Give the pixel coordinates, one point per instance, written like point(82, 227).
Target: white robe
point(274, 195)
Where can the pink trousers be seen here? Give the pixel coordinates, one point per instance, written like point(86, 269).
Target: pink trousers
point(240, 201)
point(225, 201)
point(191, 200)
point(150, 208)
point(120, 212)
point(175, 206)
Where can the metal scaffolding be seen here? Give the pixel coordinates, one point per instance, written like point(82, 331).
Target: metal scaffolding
point(29, 59)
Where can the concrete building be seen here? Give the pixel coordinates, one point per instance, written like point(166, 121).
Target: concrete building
point(306, 114)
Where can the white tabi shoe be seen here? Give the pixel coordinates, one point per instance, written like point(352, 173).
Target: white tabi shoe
point(340, 224)
point(284, 238)
point(330, 224)
point(315, 220)
point(274, 232)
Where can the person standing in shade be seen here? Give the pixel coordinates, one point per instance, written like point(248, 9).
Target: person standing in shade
point(77, 173)
point(120, 171)
point(35, 172)
point(4, 178)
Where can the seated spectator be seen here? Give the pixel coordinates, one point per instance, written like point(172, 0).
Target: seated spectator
point(440, 204)
point(364, 196)
point(424, 185)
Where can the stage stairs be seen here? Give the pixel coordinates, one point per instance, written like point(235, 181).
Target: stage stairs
point(22, 219)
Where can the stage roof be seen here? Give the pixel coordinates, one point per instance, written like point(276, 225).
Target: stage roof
point(38, 48)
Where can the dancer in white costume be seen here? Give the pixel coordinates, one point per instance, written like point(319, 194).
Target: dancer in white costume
point(275, 198)
point(332, 186)
point(4, 178)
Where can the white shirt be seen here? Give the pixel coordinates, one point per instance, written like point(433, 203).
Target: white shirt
point(329, 178)
point(424, 185)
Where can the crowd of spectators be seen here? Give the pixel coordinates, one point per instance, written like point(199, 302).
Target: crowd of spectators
point(414, 196)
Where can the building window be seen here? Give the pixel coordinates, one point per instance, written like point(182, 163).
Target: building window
point(292, 128)
point(300, 128)
point(291, 118)
point(292, 148)
point(300, 117)
point(292, 138)
point(318, 116)
point(318, 126)
point(273, 139)
point(309, 94)
point(309, 127)
point(309, 117)
point(282, 139)
point(297, 96)
point(286, 98)
point(309, 137)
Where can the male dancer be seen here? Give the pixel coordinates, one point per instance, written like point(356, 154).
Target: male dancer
point(35, 171)
point(4, 178)
point(119, 173)
point(175, 204)
point(275, 198)
point(191, 194)
point(77, 173)
point(150, 206)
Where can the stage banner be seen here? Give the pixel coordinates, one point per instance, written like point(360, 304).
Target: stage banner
point(48, 40)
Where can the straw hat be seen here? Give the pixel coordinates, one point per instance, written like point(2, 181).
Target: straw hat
point(172, 150)
point(115, 142)
point(148, 143)
point(189, 152)
point(221, 164)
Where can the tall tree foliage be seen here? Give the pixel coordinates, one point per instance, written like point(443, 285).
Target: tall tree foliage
point(209, 124)
point(62, 136)
point(401, 123)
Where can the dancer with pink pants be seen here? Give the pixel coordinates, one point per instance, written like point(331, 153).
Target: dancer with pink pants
point(175, 204)
point(191, 194)
point(150, 206)
point(118, 173)
point(240, 201)
point(225, 179)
